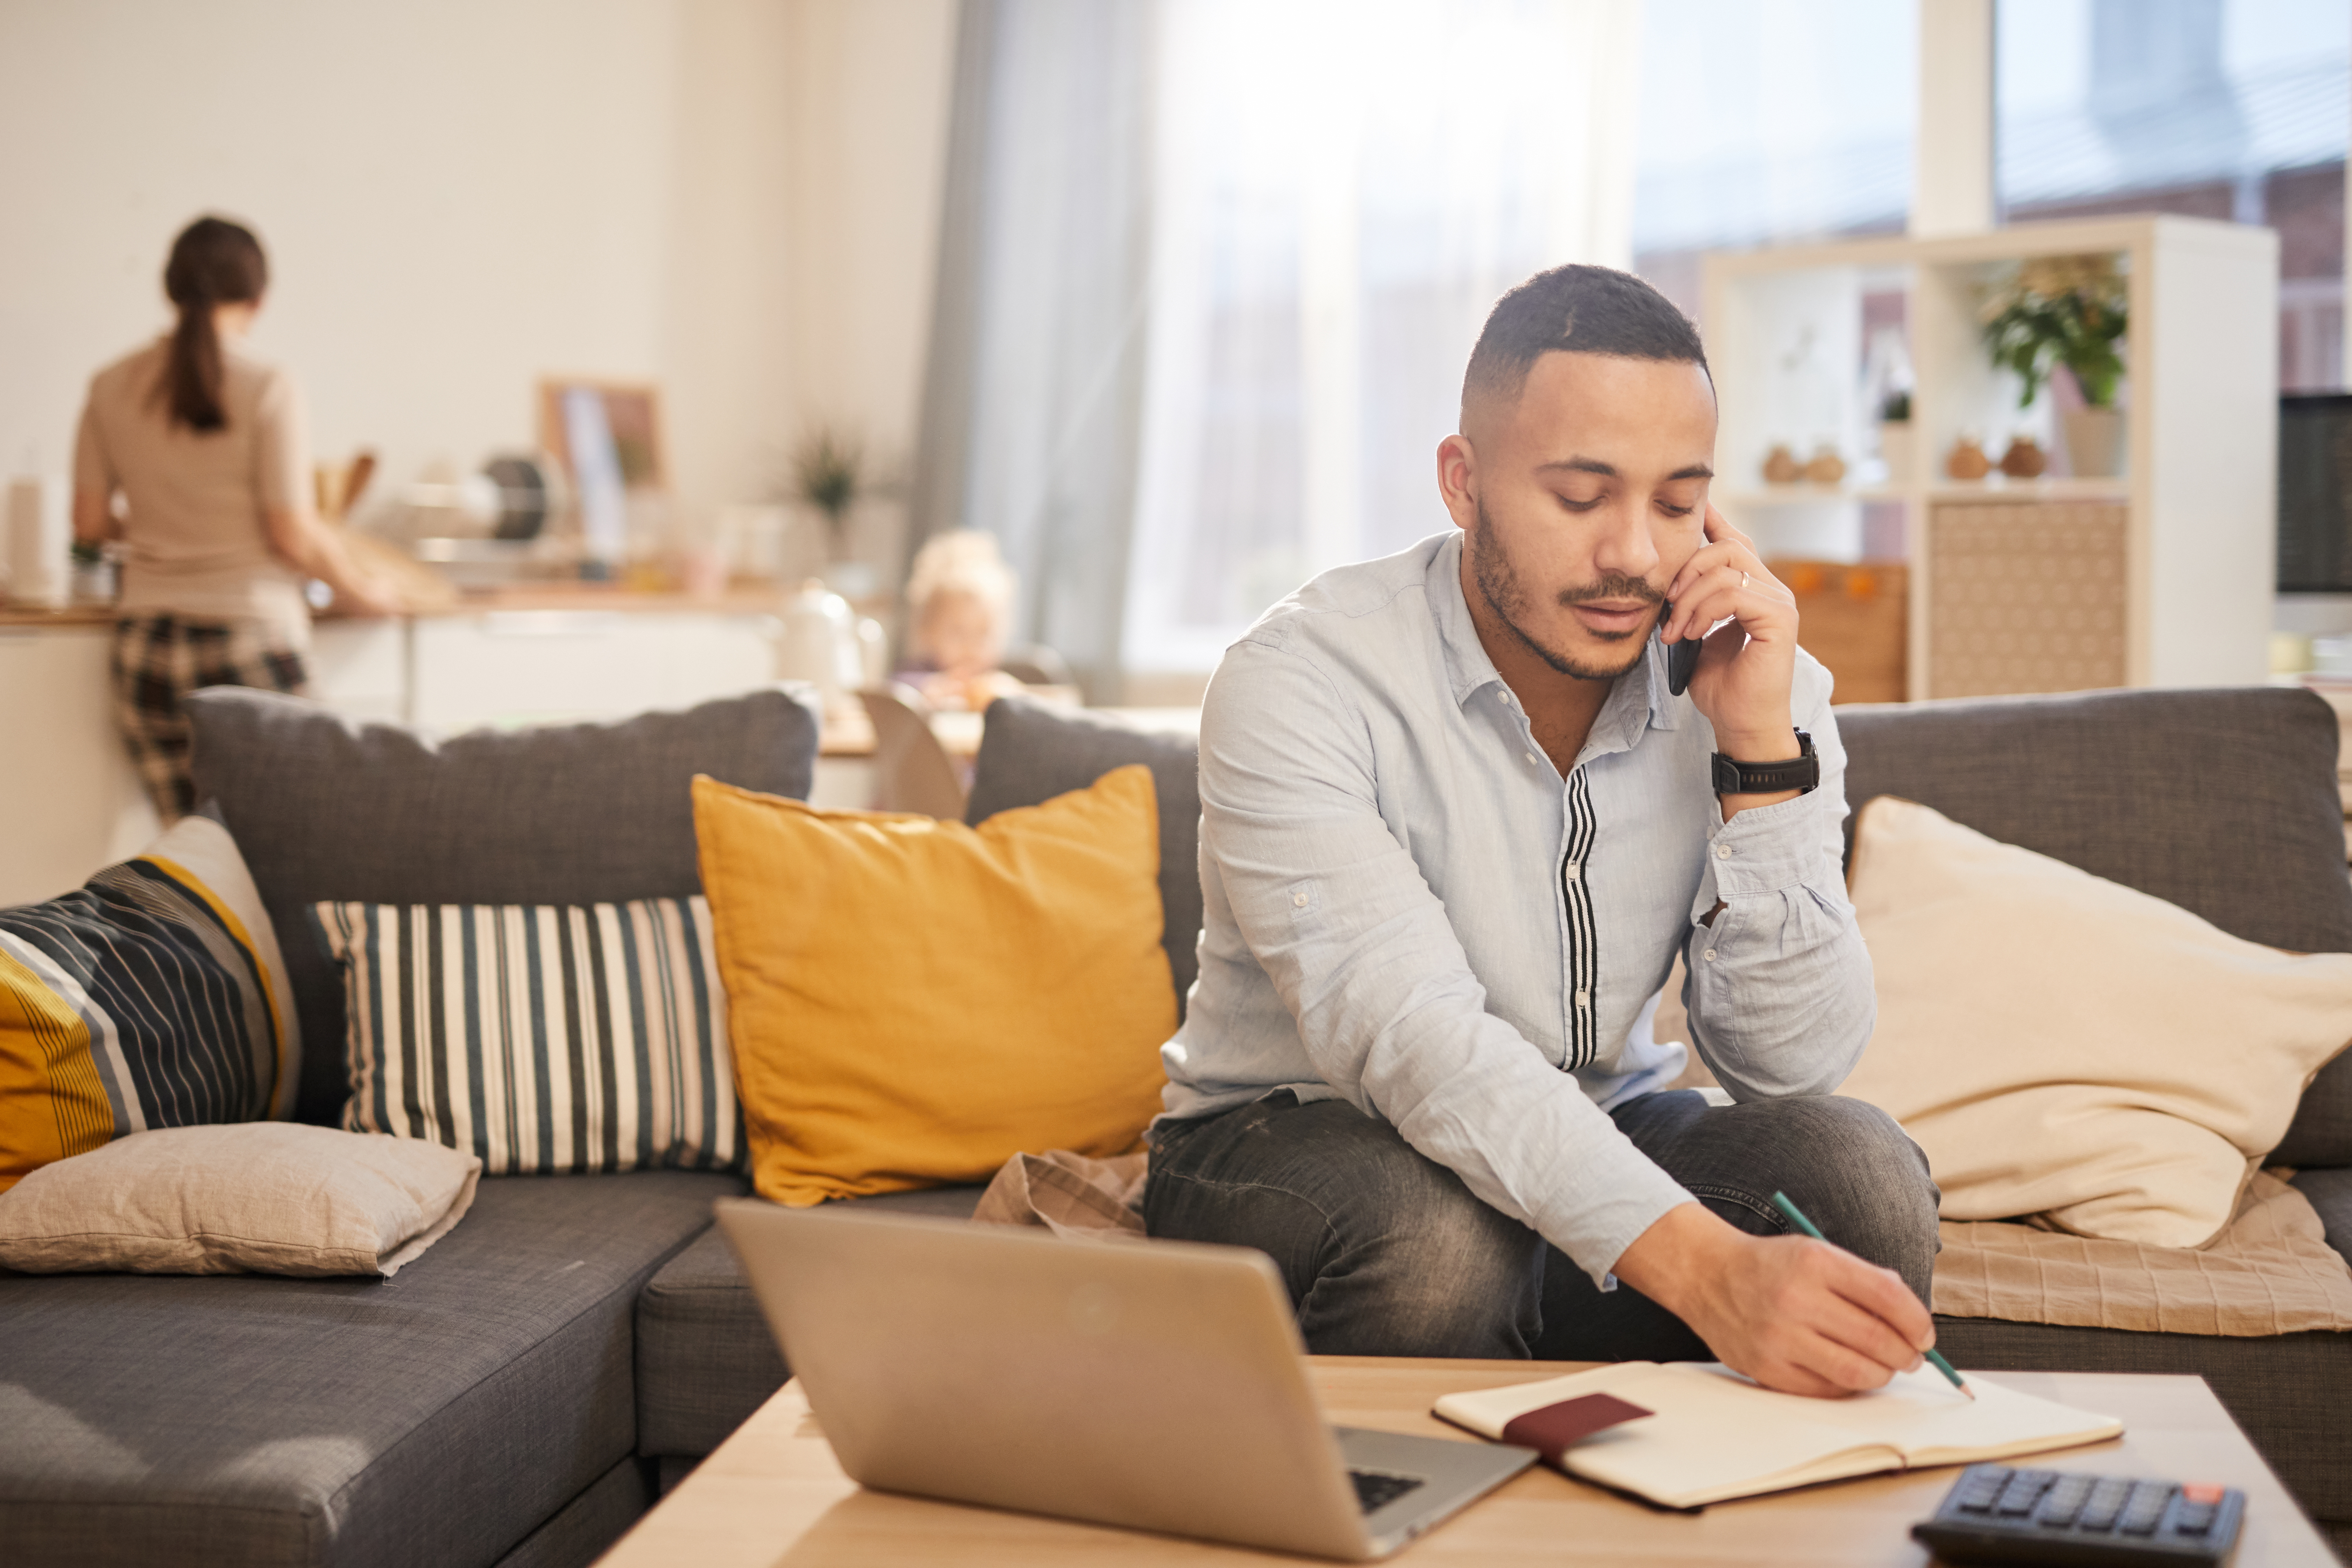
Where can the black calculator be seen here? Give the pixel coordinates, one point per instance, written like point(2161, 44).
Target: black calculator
point(1996, 1514)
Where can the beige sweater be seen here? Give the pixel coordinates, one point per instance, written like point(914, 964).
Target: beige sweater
point(197, 545)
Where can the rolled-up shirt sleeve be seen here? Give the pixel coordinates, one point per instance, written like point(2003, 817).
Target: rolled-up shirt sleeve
point(1779, 992)
point(1337, 914)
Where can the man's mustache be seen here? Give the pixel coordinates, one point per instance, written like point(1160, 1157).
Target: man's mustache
point(1615, 585)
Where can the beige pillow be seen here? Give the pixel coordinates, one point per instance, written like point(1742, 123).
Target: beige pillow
point(2061, 1045)
point(254, 1198)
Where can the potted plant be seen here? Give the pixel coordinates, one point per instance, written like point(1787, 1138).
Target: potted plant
point(829, 477)
point(2070, 311)
point(1894, 437)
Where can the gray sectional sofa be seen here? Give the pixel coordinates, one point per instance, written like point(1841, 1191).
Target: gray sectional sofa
point(520, 1393)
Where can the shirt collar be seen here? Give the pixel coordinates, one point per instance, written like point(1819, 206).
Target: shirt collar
point(1470, 672)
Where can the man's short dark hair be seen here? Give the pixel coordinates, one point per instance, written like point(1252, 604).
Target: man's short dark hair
point(1575, 309)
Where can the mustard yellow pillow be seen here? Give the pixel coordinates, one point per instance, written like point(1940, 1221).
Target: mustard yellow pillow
point(913, 1001)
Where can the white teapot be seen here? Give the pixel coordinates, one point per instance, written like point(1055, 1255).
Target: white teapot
point(827, 645)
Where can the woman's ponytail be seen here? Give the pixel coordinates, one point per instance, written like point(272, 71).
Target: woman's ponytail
point(214, 262)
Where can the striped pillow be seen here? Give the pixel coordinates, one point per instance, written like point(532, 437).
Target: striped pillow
point(151, 996)
point(541, 1037)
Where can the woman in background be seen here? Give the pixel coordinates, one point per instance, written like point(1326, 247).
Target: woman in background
point(207, 449)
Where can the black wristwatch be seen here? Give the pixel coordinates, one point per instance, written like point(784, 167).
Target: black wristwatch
point(1802, 772)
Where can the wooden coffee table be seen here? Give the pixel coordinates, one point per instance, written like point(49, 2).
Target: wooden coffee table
point(772, 1494)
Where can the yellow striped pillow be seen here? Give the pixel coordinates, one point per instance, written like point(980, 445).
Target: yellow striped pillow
point(153, 995)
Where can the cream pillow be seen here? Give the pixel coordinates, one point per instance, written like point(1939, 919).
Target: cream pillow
point(2063, 1046)
point(256, 1197)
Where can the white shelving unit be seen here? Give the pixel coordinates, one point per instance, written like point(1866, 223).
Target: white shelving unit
point(2193, 561)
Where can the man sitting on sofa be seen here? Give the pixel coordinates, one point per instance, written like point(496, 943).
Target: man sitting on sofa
point(1455, 828)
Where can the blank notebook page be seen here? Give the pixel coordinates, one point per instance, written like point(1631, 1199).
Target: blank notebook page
point(1714, 1434)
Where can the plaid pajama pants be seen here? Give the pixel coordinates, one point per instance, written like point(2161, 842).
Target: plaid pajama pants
point(158, 660)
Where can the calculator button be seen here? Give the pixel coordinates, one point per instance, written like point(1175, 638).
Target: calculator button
point(2105, 1500)
point(2197, 1519)
point(2204, 1492)
point(2025, 1490)
point(2065, 1501)
point(2146, 1507)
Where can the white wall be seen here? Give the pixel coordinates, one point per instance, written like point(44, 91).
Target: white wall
point(737, 197)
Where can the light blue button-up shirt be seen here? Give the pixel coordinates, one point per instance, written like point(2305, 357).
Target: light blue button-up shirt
point(1408, 908)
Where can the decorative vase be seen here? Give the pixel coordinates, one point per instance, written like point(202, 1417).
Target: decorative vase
point(1968, 460)
point(2025, 459)
point(2094, 441)
point(1896, 447)
point(1781, 466)
point(1826, 467)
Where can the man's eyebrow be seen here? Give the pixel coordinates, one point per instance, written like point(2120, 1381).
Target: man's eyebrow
point(1608, 470)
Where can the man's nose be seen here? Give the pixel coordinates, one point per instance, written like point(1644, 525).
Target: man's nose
point(1625, 543)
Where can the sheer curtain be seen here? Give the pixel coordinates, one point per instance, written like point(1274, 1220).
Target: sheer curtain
point(1340, 191)
point(1032, 393)
point(1209, 274)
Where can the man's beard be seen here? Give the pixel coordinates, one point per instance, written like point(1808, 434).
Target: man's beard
point(1498, 582)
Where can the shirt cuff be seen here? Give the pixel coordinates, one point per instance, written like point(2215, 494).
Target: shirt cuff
point(1771, 848)
point(1596, 1233)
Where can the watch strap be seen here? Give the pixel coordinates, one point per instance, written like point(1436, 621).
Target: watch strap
point(1801, 772)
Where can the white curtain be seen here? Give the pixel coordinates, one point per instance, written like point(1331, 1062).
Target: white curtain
point(1030, 411)
point(1340, 189)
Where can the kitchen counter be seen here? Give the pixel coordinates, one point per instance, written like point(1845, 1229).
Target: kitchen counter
point(571, 598)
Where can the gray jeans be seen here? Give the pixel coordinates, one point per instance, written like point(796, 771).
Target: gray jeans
point(1387, 1253)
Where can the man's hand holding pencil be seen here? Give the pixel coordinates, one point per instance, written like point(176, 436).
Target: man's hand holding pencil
point(1794, 1312)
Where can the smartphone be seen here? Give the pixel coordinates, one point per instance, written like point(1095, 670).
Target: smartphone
point(1682, 658)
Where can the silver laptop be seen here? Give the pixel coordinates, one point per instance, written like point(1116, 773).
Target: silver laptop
point(1156, 1385)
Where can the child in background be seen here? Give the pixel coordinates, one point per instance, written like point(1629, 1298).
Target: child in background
point(959, 608)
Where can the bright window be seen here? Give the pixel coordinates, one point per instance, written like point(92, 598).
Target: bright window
point(1769, 121)
point(1340, 192)
point(2223, 108)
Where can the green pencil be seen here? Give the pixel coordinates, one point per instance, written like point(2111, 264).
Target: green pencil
point(1796, 1217)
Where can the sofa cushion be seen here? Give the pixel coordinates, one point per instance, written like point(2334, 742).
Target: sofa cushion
point(2222, 802)
point(934, 998)
point(705, 1357)
point(256, 1197)
point(2330, 1191)
point(436, 1417)
point(154, 995)
point(2081, 1084)
point(1031, 751)
point(542, 1038)
point(327, 808)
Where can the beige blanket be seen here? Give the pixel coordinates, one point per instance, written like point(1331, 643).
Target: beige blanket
point(2269, 1272)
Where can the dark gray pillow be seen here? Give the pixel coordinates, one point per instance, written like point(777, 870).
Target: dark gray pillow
point(2223, 802)
point(323, 807)
point(1031, 751)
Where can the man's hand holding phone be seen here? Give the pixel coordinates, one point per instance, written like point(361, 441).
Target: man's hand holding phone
point(1740, 674)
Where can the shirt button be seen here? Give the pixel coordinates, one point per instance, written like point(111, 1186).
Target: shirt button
point(1723, 851)
point(1532, 757)
point(1299, 901)
point(1708, 955)
point(1573, 870)
point(1584, 999)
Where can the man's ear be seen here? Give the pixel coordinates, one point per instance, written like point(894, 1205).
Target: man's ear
point(1457, 479)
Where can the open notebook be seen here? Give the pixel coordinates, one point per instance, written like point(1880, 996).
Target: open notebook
point(1713, 1434)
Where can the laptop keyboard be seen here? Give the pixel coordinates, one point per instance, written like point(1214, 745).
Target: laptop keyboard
point(1375, 1491)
